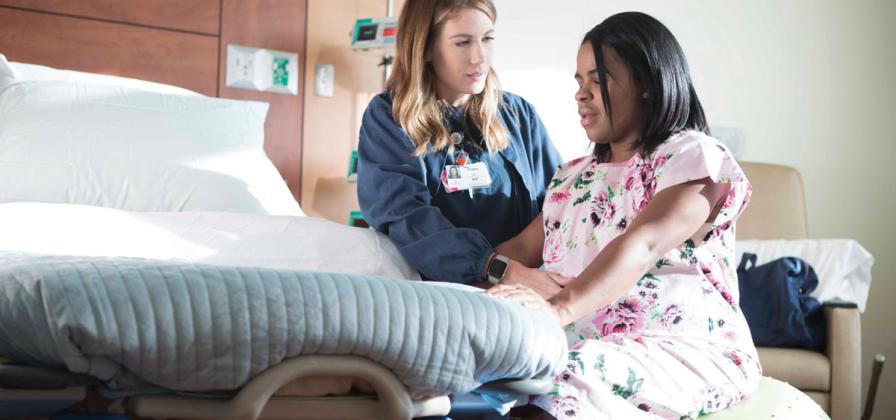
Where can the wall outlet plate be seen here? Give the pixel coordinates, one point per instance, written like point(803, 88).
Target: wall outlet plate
point(262, 70)
point(323, 80)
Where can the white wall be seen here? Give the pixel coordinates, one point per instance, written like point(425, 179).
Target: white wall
point(811, 84)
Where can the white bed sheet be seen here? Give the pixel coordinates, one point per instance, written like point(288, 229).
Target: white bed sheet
point(232, 239)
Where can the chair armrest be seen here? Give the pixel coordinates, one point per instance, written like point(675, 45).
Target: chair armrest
point(844, 348)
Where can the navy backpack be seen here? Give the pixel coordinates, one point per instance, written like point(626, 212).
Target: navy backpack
point(775, 300)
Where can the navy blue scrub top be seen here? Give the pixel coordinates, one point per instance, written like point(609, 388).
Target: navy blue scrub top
point(449, 236)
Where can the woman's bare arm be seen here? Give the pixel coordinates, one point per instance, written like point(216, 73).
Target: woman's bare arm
point(672, 216)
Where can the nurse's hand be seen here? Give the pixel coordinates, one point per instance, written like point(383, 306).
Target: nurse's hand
point(545, 284)
point(525, 297)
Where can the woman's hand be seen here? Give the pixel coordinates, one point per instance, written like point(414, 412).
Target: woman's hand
point(543, 283)
point(525, 297)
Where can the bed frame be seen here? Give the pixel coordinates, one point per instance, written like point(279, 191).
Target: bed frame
point(390, 400)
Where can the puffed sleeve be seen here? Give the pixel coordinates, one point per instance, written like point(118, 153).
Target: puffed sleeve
point(691, 156)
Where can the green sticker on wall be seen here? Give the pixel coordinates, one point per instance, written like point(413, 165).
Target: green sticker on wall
point(281, 74)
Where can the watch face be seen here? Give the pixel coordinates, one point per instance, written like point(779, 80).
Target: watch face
point(497, 268)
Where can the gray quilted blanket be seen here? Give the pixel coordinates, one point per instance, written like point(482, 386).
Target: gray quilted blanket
point(137, 324)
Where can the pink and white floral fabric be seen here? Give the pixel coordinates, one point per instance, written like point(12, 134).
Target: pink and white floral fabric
point(676, 345)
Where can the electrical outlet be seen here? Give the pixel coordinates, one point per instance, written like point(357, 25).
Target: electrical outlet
point(244, 67)
point(241, 66)
point(323, 80)
point(262, 70)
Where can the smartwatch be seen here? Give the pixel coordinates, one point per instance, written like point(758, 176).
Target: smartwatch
point(497, 268)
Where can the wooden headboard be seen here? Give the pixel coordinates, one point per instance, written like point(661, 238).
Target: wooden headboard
point(179, 42)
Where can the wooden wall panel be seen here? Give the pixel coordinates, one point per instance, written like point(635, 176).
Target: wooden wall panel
point(182, 59)
point(278, 25)
point(332, 123)
point(202, 16)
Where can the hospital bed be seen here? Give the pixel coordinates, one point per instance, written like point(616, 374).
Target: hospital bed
point(137, 218)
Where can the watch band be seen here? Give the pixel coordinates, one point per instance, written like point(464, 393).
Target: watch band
point(488, 263)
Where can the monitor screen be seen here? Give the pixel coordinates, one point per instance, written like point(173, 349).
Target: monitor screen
point(367, 32)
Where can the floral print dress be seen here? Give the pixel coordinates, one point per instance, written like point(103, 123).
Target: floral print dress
point(676, 345)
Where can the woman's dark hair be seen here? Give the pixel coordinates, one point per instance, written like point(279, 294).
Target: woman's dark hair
point(658, 64)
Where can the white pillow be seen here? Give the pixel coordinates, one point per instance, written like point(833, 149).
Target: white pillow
point(842, 265)
point(12, 72)
point(8, 76)
point(113, 146)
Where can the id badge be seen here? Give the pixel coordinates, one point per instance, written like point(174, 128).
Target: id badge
point(466, 177)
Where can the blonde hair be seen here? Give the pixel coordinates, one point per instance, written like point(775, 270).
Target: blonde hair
point(415, 106)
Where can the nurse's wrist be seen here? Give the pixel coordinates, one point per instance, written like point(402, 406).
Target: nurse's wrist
point(498, 268)
point(515, 274)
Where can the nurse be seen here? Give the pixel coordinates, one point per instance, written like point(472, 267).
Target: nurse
point(443, 112)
